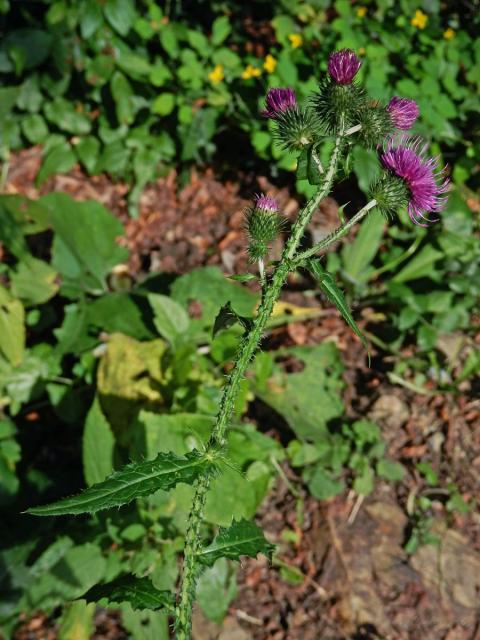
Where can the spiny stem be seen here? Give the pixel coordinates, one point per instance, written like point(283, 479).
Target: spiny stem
point(246, 350)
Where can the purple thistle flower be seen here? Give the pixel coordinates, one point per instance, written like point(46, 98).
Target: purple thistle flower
point(403, 112)
point(266, 203)
point(343, 66)
point(279, 101)
point(408, 159)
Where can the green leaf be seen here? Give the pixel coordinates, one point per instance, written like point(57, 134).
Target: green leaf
point(63, 113)
point(170, 318)
point(29, 48)
point(98, 446)
point(322, 484)
point(335, 295)
point(12, 328)
point(311, 397)
point(120, 14)
point(243, 277)
point(227, 317)
point(390, 470)
point(34, 128)
point(139, 592)
point(77, 621)
point(87, 151)
point(34, 281)
point(164, 104)
point(420, 265)
point(221, 28)
point(84, 247)
point(59, 160)
point(358, 255)
point(216, 590)
point(242, 538)
point(122, 94)
point(211, 289)
point(135, 480)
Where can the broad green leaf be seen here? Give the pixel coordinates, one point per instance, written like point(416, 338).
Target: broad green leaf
point(164, 104)
point(335, 295)
point(119, 312)
point(220, 29)
point(120, 14)
point(122, 94)
point(170, 318)
point(227, 317)
point(69, 574)
point(217, 588)
point(34, 281)
point(420, 265)
point(321, 483)
point(139, 592)
point(98, 446)
point(242, 538)
point(85, 247)
point(131, 373)
point(77, 621)
point(59, 160)
point(145, 625)
point(390, 469)
point(135, 480)
point(211, 289)
point(87, 151)
point(311, 397)
point(12, 328)
point(35, 128)
point(358, 255)
point(63, 114)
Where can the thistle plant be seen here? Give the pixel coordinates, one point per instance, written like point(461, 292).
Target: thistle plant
point(340, 111)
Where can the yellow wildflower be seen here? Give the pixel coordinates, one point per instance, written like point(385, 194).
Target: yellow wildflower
point(419, 20)
point(217, 74)
point(362, 12)
point(296, 40)
point(449, 33)
point(362, 51)
point(269, 64)
point(251, 72)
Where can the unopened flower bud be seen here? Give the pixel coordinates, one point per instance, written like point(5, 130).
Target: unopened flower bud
point(343, 66)
point(263, 224)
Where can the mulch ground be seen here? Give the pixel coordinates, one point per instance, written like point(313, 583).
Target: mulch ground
point(353, 578)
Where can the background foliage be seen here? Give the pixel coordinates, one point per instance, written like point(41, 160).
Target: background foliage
point(96, 370)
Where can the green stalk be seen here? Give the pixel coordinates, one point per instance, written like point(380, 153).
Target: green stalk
point(246, 350)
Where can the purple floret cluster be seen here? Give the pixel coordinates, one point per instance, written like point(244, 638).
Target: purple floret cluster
point(343, 66)
point(278, 101)
point(404, 112)
point(407, 158)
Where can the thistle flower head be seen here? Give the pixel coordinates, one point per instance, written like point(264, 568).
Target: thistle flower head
point(262, 224)
point(266, 203)
point(407, 159)
point(343, 66)
point(278, 101)
point(403, 112)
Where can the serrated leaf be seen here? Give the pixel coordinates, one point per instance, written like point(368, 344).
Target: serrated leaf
point(242, 538)
point(243, 277)
point(335, 295)
point(227, 317)
point(135, 480)
point(139, 592)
